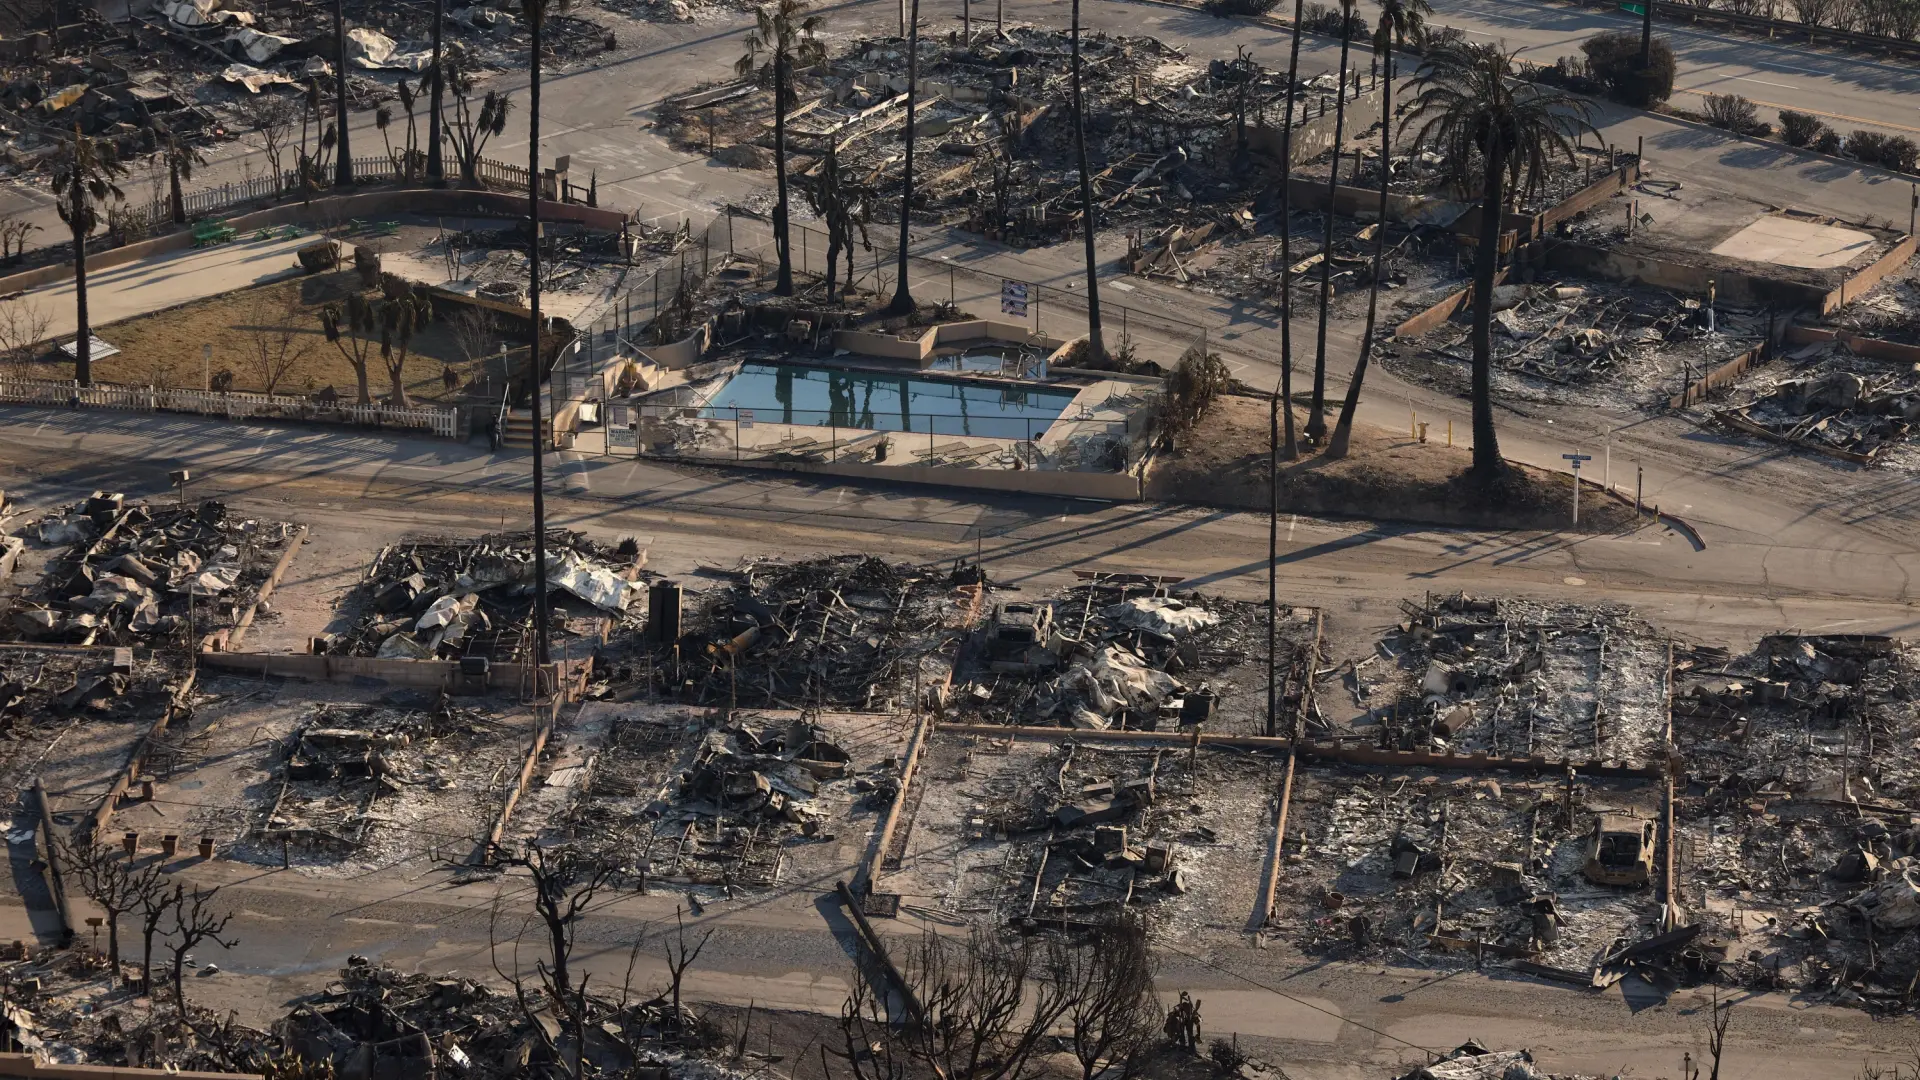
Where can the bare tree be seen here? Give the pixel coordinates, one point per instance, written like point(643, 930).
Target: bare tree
point(986, 1008)
point(195, 920)
point(1717, 1022)
point(1112, 1016)
point(271, 118)
point(153, 906)
point(275, 347)
point(680, 957)
point(23, 326)
point(108, 878)
point(473, 333)
point(565, 880)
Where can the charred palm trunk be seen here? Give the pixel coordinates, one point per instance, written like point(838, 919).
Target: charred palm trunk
point(903, 296)
point(1317, 412)
point(1343, 428)
point(782, 237)
point(436, 164)
point(1486, 262)
point(343, 164)
point(1096, 347)
point(1291, 449)
point(83, 339)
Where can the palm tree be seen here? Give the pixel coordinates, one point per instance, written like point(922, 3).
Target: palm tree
point(343, 166)
point(1401, 22)
point(436, 165)
point(1473, 112)
point(1291, 450)
point(1317, 412)
point(181, 158)
point(83, 177)
point(1096, 348)
point(903, 298)
point(787, 41)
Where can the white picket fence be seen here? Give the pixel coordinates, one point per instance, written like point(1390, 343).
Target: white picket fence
point(231, 406)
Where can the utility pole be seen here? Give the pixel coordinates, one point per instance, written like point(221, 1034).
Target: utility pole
point(1646, 34)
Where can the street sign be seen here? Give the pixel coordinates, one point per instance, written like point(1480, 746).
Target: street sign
point(1013, 298)
point(1575, 460)
point(1635, 8)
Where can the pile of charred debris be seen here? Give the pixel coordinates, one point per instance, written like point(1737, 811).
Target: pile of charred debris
point(46, 690)
point(1833, 401)
point(345, 771)
point(849, 631)
point(994, 129)
point(378, 1021)
point(1554, 873)
point(674, 800)
point(201, 67)
point(122, 572)
point(1798, 819)
point(1589, 342)
point(1515, 677)
point(1123, 652)
point(439, 598)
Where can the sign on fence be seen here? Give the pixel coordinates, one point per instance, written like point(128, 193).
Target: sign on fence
point(1013, 299)
point(746, 418)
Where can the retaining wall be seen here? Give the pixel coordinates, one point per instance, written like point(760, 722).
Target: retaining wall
point(1891, 351)
point(1315, 137)
point(1724, 375)
point(436, 674)
point(1851, 289)
point(23, 1065)
point(1733, 287)
point(333, 208)
point(1118, 487)
point(894, 347)
point(1438, 314)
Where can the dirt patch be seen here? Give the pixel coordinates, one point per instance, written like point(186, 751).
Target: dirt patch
point(1383, 477)
point(165, 348)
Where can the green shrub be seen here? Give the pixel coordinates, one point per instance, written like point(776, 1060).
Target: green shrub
point(1614, 62)
point(1867, 146)
point(1900, 154)
point(1799, 129)
point(1828, 141)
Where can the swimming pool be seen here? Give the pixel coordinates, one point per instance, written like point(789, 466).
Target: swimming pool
point(875, 401)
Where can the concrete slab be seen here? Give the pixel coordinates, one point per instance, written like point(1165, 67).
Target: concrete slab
point(150, 285)
point(1787, 241)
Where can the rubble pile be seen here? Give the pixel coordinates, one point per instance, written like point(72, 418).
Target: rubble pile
point(1798, 819)
point(1589, 342)
point(722, 805)
point(1831, 399)
point(200, 66)
point(379, 1021)
point(994, 133)
point(1246, 263)
point(62, 1008)
point(1890, 311)
point(1468, 865)
point(45, 691)
point(1121, 653)
point(348, 772)
point(1516, 677)
point(130, 572)
point(1089, 829)
point(851, 631)
point(449, 598)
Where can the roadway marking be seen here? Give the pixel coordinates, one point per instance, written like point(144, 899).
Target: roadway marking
point(1815, 112)
point(1764, 82)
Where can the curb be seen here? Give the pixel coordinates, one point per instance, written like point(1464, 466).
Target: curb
point(1671, 521)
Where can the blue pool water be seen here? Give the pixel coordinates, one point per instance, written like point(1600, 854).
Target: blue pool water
point(791, 394)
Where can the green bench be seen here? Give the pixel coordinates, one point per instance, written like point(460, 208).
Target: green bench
point(208, 233)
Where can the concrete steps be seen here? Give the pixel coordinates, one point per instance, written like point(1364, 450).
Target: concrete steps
point(518, 430)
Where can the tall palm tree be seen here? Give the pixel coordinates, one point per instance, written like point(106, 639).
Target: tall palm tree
point(1291, 450)
point(903, 297)
point(535, 12)
point(181, 157)
point(787, 41)
point(436, 164)
point(83, 177)
point(1317, 412)
point(1479, 118)
point(343, 165)
point(1096, 347)
point(1401, 22)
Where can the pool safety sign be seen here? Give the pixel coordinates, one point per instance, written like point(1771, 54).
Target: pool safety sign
point(1013, 298)
point(746, 417)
